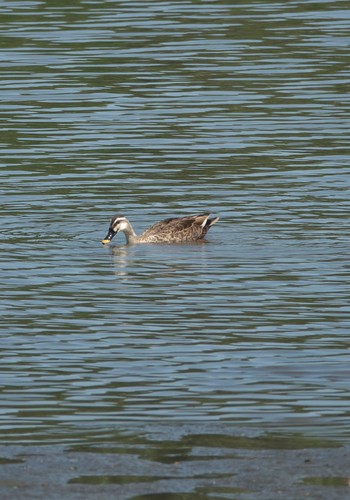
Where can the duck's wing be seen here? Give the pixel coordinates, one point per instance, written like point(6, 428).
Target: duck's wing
point(177, 229)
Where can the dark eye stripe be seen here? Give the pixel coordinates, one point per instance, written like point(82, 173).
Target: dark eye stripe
point(116, 222)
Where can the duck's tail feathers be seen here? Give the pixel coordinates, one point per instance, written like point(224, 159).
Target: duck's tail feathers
point(212, 221)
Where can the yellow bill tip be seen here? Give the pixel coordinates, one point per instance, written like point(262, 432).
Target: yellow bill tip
point(105, 242)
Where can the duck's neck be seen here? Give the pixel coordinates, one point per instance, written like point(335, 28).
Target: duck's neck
point(130, 235)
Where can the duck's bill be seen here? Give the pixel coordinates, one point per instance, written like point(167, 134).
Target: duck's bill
point(109, 237)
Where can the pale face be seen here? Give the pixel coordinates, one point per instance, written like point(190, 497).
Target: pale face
point(117, 224)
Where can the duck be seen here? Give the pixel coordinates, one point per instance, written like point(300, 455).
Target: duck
point(172, 230)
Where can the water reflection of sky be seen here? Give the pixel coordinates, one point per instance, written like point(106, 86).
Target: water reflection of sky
point(162, 111)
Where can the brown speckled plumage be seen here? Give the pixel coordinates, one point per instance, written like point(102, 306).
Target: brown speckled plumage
point(172, 230)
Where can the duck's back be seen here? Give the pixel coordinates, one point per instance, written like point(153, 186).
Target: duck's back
point(178, 229)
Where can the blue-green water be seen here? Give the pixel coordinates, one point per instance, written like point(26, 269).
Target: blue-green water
point(157, 109)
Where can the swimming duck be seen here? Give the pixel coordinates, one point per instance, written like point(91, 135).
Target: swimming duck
point(173, 230)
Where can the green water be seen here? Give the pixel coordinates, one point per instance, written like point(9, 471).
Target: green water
point(157, 109)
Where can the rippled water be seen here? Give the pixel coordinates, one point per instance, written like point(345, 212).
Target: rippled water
point(156, 109)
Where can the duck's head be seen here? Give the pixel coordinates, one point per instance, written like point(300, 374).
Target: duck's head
point(118, 223)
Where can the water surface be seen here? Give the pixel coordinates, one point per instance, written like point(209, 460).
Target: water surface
point(151, 110)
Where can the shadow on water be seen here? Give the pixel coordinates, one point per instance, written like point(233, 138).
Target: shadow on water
point(189, 465)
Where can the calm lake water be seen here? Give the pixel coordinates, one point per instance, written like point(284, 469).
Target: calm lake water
point(162, 108)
